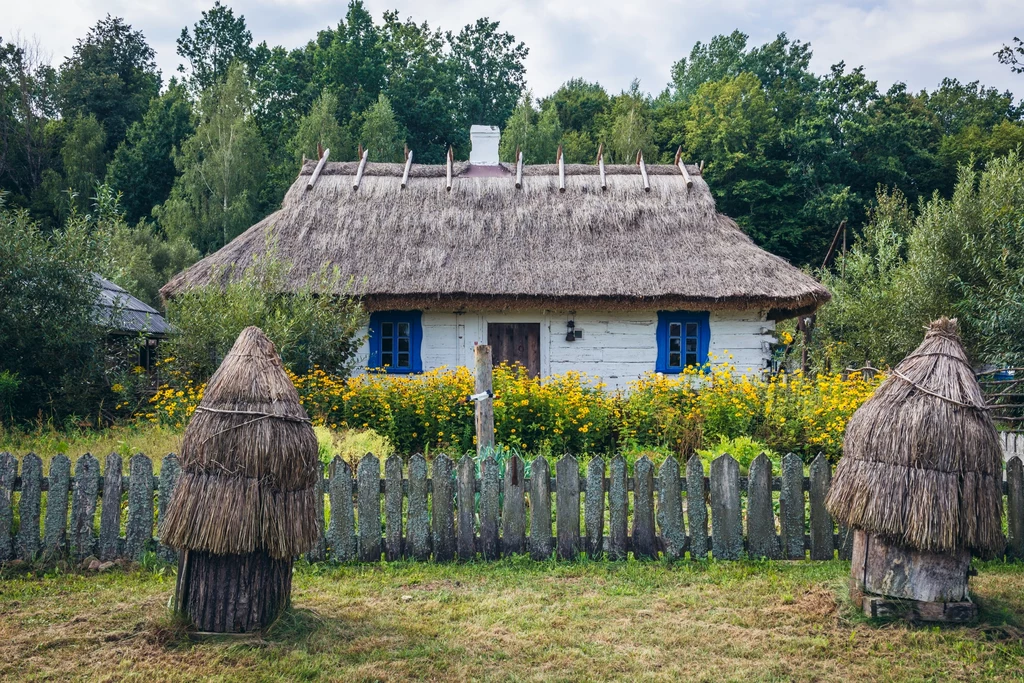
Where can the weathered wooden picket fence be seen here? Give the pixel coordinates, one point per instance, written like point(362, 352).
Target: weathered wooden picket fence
point(454, 512)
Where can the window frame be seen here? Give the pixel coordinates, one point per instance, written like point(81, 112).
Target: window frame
point(665, 320)
point(415, 321)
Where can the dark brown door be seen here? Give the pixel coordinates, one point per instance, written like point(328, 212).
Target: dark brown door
point(516, 343)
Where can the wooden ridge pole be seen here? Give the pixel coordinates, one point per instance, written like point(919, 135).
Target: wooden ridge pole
point(519, 168)
point(362, 167)
point(600, 166)
point(561, 170)
point(408, 166)
point(643, 169)
point(448, 182)
point(316, 171)
point(682, 168)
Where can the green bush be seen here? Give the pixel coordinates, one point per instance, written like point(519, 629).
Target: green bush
point(743, 448)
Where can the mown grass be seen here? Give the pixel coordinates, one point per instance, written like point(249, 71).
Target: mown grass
point(512, 620)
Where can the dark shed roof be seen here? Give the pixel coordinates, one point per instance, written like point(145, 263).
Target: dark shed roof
point(119, 311)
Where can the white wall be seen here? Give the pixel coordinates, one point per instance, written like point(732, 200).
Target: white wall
point(617, 346)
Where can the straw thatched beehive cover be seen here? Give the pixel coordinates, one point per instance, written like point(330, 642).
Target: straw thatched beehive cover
point(488, 244)
point(249, 462)
point(922, 465)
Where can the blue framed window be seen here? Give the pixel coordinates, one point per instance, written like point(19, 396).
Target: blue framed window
point(683, 340)
point(395, 341)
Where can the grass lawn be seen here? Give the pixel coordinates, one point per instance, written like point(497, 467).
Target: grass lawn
point(512, 620)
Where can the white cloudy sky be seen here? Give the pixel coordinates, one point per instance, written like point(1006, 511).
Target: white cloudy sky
point(611, 41)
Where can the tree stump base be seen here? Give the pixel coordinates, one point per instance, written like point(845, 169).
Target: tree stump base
point(888, 580)
point(232, 593)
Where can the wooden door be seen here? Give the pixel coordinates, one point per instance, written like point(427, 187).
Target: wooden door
point(516, 343)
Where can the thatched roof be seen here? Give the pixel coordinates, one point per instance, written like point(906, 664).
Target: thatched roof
point(921, 460)
point(249, 462)
point(488, 244)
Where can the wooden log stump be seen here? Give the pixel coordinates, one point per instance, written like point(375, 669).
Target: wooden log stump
point(232, 593)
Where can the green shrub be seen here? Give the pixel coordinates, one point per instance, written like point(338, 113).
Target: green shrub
point(743, 448)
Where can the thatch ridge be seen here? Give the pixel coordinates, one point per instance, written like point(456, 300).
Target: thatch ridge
point(249, 462)
point(487, 240)
point(921, 464)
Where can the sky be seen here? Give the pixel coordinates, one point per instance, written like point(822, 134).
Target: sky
point(917, 42)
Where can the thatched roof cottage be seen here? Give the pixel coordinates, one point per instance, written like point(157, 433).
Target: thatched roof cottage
point(614, 270)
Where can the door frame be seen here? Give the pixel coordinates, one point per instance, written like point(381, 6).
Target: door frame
point(540, 316)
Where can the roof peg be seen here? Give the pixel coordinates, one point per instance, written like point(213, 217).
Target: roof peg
point(319, 151)
point(682, 167)
point(702, 167)
point(600, 166)
point(319, 167)
point(561, 170)
point(643, 169)
point(519, 168)
point(408, 166)
point(363, 156)
point(451, 160)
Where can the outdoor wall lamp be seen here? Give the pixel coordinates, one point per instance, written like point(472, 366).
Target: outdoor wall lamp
point(570, 334)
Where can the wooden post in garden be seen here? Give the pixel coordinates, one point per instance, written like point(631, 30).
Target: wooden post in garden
point(484, 372)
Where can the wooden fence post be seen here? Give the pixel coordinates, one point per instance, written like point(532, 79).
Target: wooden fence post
point(540, 509)
point(822, 527)
point(1015, 508)
point(593, 512)
point(761, 538)
point(417, 523)
point(29, 506)
point(489, 542)
point(368, 505)
point(644, 543)
point(484, 372)
point(318, 553)
point(697, 508)
point(8, 473)
point(83, 506)
point(442, 518)
point(139, 528)
point(726, 520)
point(618, 509)
point(466, 533)
point(393, 507)
point(341, 531)
point(56, 525)
point(513, 512)
point(670, 509)
point(110, 512)
point(567, 507)
point(791, 507)
point(169, 471)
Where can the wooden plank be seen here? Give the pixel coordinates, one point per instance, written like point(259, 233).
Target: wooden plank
point(139, 528)
point(1015, 509)
point(169, 472)
point(593, 508)
point(8, 475)
point(513, 512)
point(466, 531)
point(317, 170)
point(489, 542)
point(561, 170)
point(643, 170)
point(442, 501)
point(697, 508)
point(519, 169)
point(822, 528)
point(359, 171)
point(393, 507)
point(845, 543)
point(567, 507)
point(56, 525)
point(726, 520)
point(600, 166)
point(682, 169)
point(484, 382)
point(791, 507)
point(110, 511)
point(368, 508)
point(318, 553)
point(618, 509)
point(417, 533)
point(644, 543)
point(29, 506)
point(761, 539)
point(670, 509)
point(448, 173)
point(408, 167)
point(341, 531)
point(83, 506)
point(540, 509)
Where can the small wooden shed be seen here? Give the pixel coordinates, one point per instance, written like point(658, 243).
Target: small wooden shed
point(920, 482)
point(246, 503)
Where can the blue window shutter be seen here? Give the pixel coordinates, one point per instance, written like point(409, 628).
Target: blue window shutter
point(414, 319)
point(666, 319)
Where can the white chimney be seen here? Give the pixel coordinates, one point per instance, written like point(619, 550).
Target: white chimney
point(484, 145)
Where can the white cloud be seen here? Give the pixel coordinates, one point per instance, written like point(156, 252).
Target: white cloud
point(611, 41)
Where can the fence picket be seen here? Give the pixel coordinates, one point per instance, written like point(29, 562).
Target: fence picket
point(593, 508)
point(169, 471)
point(466, 539)
point(417, 523)
point(368, 507)
point(791, 507)
point(1015, 508)
point(393, 507)
point(29, 506)
point(55, 527)
point(618, 509)
point(489, 494)
point(644, 544)
point(670, 509)
point(83, 506)
point(442, 500)
point(318, 553)
point(822, 528)
point(845, 543)
point(341, 532)
point(697, 508)
point(726, 522)
point(567, 507)
point(110, 510)
point(8, 473)
point(513, 512)
point(540, 509)
point(139, 528)
point(761, 538)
